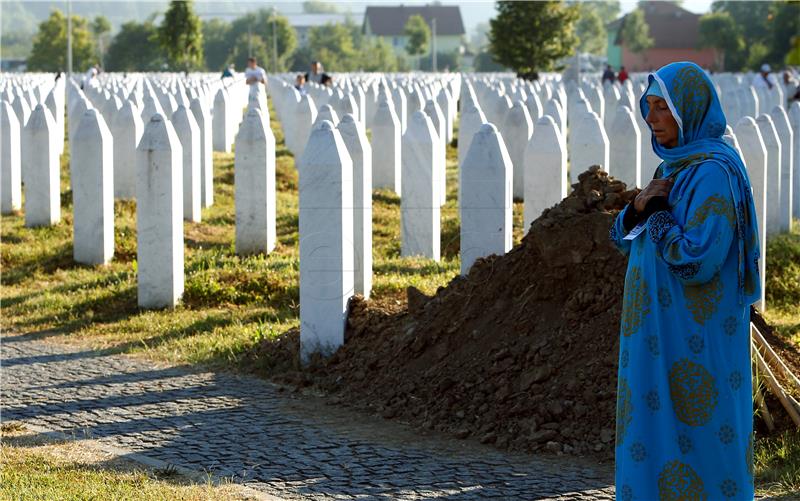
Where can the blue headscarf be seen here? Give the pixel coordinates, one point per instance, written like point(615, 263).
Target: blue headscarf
point(694, 104)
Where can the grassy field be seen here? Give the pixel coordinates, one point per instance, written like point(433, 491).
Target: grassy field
point(231, 303)
point(34, 467)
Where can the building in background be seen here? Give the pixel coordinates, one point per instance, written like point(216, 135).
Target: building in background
point(389, 23)
point(675, 32)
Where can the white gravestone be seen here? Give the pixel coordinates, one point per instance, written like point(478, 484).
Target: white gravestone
point(485, 203)
point(786, 137)
point(204, 124)
point(518, 129)
point(589, 145)
point(386, 134)
point(470, 122)
point(254, 185)
point(754, 154)
point(419, 205)
point(93, 190)
point(189, 135)
point(303, 121)
point(40, 160)
point(770, 137)
point(159, 215)
point(126, 128)
point(326, 241)
point(545, 170)
point(355, 139)
point(439, 125)
point(222, 130)
point(10, 156)
point(625, 156)
point(794, 119)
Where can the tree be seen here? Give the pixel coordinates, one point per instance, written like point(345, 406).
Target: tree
point(419, 36)
point(333, 45)
point(260, 23)
point(635, 32)
point(215, 43)
point(590, 30)
point(181, 36)
point(49, 52)
point(135, 48)
point(378, 56)
point(785, 24)
point(247, 46)
point(101, 28)
point(317, 7)
point(529, 37)
point(450, 61)
point(718, 30)
point(484, 62)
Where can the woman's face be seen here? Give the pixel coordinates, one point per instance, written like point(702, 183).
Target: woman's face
point(662, 123)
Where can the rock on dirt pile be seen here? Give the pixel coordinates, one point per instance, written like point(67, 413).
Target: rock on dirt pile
point(520, 353)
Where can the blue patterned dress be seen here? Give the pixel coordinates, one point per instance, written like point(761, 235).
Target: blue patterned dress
point(684, 402)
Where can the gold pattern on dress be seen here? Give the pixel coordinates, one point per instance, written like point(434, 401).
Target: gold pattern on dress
point(702, 299)
point(693, 392)
point(679, 482)
point(636, 303)
point(715, 205)
point(624, 409)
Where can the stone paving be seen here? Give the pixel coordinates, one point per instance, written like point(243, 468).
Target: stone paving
point(244, 428)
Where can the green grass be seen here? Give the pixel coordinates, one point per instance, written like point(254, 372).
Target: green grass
point(777, 465)
point(783, 284)
point(34, 469)
point(230, 302)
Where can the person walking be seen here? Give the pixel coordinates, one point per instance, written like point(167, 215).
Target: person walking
point(608, 75)
point(623, 75)
point(316, 73)
point(764, 78)
point(684, 404)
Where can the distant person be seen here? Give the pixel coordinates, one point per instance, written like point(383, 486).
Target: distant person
point(254, 74)
point(229, 72)
point(764, 78)
point(316, 74)
point(623, 75)
point(608, 75)
point(326, 80)
point(89, 77)
point(300, 84)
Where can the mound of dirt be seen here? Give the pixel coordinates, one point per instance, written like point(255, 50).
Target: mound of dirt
point(520, 353)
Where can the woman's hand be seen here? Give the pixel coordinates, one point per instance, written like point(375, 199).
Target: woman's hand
point(656, 188)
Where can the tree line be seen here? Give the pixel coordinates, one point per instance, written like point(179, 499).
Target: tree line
point(181, 41)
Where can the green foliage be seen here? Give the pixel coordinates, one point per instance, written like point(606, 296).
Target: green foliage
point(215, 43)
point(181, 36)
point(766, 28)
point(777, 464)
point(783, 261)
point(317, 7)
point(529, 37)
point(135, 48)
point(260, 23)
point(333, 45)
point(49, 52)
point(718, 30)
point(591, 30)
point(249, 45)
point(793, 56)
point(101, 25)
point(342, 47)
point(419, 35)
point(444, 60)
point(484, 61)
point(378, 56)
point(635, 32)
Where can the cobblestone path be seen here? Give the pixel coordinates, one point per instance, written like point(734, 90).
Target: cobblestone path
point(292, 447)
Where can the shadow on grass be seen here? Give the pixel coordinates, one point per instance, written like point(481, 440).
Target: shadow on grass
point(59, 258)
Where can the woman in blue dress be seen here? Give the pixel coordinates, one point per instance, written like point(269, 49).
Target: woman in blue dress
point(684, 402)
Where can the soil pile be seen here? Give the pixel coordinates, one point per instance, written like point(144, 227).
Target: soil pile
point(520, 353)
